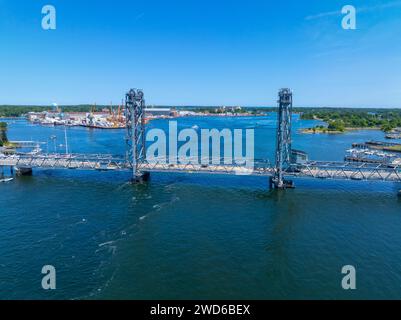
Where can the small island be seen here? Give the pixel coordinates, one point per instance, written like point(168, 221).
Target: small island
point(332, 128)
point(340, 120)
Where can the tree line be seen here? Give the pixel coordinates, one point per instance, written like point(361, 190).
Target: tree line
point(338, 119)
point(9, 111)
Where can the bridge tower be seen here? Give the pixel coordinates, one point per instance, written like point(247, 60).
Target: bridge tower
point(135, 137)
point(283, 139)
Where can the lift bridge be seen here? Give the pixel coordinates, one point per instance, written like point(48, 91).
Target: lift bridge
point(289, 163)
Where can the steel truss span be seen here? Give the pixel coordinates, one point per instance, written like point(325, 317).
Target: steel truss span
point(102, 162)
point(347, 170)
point(67, 161)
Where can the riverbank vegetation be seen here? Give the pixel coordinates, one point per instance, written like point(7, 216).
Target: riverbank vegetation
point(9, 111)
point(3, 134)
point(336, 120)
point(343, 119)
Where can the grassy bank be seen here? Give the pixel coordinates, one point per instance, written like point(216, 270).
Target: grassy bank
point(325, 130)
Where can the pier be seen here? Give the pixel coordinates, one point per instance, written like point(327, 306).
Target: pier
point(289, 163)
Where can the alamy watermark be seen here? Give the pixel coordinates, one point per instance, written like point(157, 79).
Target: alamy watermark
point(349, 280)
point(202, 147)
point(49, 280)
point(49, 17)
point(349, 20)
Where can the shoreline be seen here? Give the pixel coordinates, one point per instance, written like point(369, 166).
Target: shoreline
point(200, 115)
point(347, 129)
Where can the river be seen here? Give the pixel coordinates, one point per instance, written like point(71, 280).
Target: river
point(184, 236)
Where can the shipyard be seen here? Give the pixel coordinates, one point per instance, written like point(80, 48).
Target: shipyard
point(108, 118)
point(114, 117)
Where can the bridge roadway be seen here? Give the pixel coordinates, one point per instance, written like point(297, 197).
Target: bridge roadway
point(312, 169)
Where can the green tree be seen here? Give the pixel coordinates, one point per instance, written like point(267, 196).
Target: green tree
point(387, 127)
point(336, 125)
point(3, 133)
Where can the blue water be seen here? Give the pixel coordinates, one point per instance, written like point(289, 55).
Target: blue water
point(184, 236)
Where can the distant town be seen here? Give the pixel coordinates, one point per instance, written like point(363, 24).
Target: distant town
point(113, 117)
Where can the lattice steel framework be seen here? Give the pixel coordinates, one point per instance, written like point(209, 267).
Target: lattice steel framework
point(135, 122)
point(347, 171)
point(107, 162)
point(283, 139)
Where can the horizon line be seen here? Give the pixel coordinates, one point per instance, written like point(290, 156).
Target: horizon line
point(190, 106)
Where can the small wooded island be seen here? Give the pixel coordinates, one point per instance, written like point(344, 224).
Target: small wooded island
point(340, 120)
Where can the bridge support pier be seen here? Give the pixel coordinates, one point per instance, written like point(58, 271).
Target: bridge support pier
point(281, 184)
point(23, 171)
point(141, 177)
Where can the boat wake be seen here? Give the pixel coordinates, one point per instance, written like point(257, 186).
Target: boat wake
point(159, 207)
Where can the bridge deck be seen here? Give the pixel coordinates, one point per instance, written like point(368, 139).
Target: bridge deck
point(62, 161)
point(347, 170)
point(312, 169)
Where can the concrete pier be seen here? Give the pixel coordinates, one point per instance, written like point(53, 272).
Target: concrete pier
point(23, 171)
point(142, 177)
point(284, 184)
point(271, 183)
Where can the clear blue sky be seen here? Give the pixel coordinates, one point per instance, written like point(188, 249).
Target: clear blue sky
point(201, 52)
